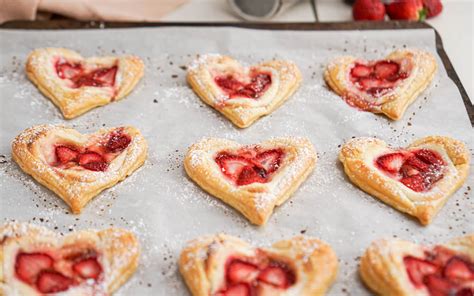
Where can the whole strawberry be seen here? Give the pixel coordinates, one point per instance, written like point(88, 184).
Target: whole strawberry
point(372, 10)
point(406, 10)
point(433, 7)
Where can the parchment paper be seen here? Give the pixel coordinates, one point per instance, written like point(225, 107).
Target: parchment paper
point(165, 208)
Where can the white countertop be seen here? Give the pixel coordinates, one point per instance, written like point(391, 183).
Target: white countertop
point(455, 25)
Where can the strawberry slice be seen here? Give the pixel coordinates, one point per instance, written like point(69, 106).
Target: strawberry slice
point(118, 141)
point(252, 174)
point(236, 290)
point(360, 70)
point(53, 282)
point(28, 266)
point(439, 286)
point(68, 71)
point(92, 161)
point(429, 157)
point(231, 165)
point(66, 154)
point(241, 272)
point(391, 162)
point(415, 183)
point(465, 292)
point(106, 76)
point(370, 82)
point(417, 269)
point(458, 269)
point(276, 276)
point(88, 268)
point(270, 160)
point(387, 70)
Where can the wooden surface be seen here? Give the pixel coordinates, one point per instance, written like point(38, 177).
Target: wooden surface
point(388, 25)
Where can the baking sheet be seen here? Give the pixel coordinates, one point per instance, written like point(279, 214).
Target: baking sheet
point(165, 209)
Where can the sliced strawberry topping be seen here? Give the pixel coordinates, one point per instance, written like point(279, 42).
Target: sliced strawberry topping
point(391, 162)
point(53, 282)
point(360, 70)
point(102, 77)
point(258, 85)
point(118, 141)
point(241, 272)
point(439, 286)
point(66, 154)
point(93, 161)
point(28, 266)
point(441, 272)
point(249, 165)
point(88, 268)
point(458, 269)
point(387, 70)
point(376, 79)
point(277, 276)
point(236, 290)
point(418, 170)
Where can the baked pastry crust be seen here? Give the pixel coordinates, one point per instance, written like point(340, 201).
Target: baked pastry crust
point(118, 248)
point(358, 156)
point(202, 262)
point(394, 103)
point(285, 75)
point(255, 201)
point(40, 69)
point(76, 187)
point(382, 268)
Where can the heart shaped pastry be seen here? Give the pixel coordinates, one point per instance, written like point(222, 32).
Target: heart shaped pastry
point(76, 84)
point(243, 94)
point(255, 178)
point(385, 86)
point(36, 261)
point(417, 180)
point(222, 265)
point(397, 267)
point(77, 167)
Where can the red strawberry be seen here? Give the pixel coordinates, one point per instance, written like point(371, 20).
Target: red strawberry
point(406, 10)
point(65, 154)
point(236, 290)
point(465, 292)
point(106, 76)
point(88, 268)
point(415, 183)
point(372, 10)
point(53, 282)
point(92, 161)
point(391, 162)
point(370, 82)
point(241, 272)
point(276, 276)
point(386, 70)
point(361, 71)
point(252, 174)
point(270, 160)
point(231, 165)
point(28, 266)
point(429, 157)
point(118, 141)
point(458, 269)
point(68, 71)
point(413, 166)
point(433, 7)
point(417, 269)
point(439, 286)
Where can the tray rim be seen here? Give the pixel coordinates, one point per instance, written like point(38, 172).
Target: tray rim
point(326, 26)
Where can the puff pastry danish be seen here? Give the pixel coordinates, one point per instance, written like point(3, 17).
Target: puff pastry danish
point(385, 86)
point(417, 180)
point(243, 94)
point(37, 261)
point(78, 167)
point(402, 268)
point(223, 265)
point(255, 178)
point(76, 84)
